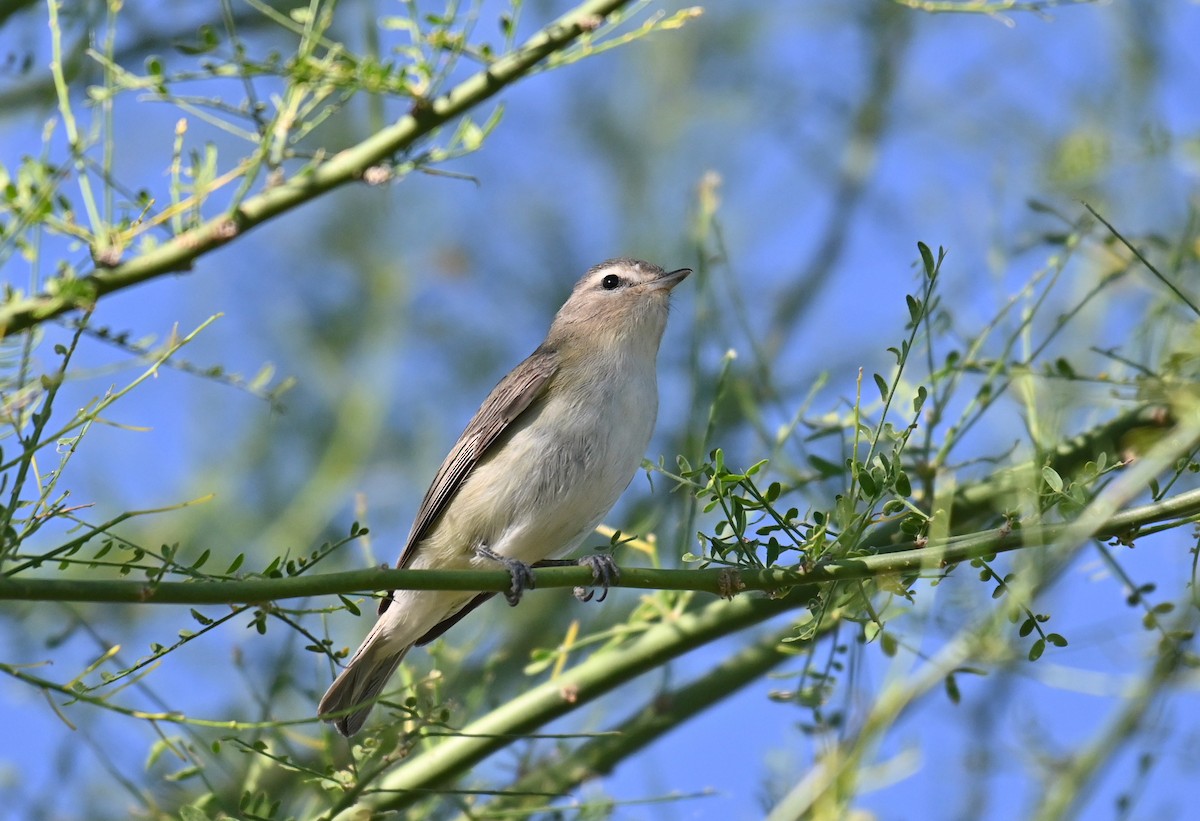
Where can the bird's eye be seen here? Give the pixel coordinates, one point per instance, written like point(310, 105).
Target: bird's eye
point(610, 282)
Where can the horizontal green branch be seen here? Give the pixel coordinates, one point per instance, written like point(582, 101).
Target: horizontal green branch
point(901, 559)
point(346, 166)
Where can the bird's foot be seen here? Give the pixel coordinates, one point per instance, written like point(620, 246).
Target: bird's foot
point(518, 571)
point(605, 573)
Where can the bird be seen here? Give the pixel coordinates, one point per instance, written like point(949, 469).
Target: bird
point(543, 460)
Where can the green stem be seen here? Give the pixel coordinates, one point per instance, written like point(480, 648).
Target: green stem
point(602, 672)
point(1070, 790)
point(344, 167)
point(723, 582)
point(664, 712)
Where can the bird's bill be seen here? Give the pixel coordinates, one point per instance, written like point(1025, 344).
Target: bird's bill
point(670, 279)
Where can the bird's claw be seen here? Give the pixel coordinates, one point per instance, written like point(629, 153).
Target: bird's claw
point(522, 580)
point(604, 574)
point(518, 571)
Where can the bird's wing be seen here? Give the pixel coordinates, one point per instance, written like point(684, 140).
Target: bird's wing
point(445, 624)
point(504, 405)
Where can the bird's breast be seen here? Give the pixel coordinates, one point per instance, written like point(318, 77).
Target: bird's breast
point(557, 471)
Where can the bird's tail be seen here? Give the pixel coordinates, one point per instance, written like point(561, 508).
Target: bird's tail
point(359, 684)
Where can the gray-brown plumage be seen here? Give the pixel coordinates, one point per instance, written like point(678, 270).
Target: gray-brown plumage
point(542, 461)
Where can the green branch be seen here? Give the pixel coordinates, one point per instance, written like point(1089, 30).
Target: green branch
point(664, 712)
point(977, 500)
point(344, 167)
point(1065, 795)
point(726, 582)
point(600, 673)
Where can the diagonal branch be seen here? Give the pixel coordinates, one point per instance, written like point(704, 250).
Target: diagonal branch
point(662, 713)
point(601, 673)
point(344, 167)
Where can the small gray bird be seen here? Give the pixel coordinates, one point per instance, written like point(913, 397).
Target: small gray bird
point(537, 468)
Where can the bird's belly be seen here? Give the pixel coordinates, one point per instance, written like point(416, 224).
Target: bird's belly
point(544, 490)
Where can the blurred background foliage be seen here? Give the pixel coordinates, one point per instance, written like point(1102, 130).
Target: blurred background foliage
point(794, 154)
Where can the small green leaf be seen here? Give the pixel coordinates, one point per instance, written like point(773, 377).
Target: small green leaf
point(952, 691)
point(1035, 652)
point(183, 774)
point(868, 484)
point(756, 467)
point(159, 747)
point(927, 259)
point(882, 384)
point(189, 813)
point(263, 378)
point(919, 399)
point(914, 308)
point(1053, 480)
point(471, 135)
point(206, 41)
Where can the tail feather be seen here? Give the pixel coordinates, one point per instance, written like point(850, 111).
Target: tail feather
point(360, 683)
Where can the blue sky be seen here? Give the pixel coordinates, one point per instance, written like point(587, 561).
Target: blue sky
point(602, 159)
